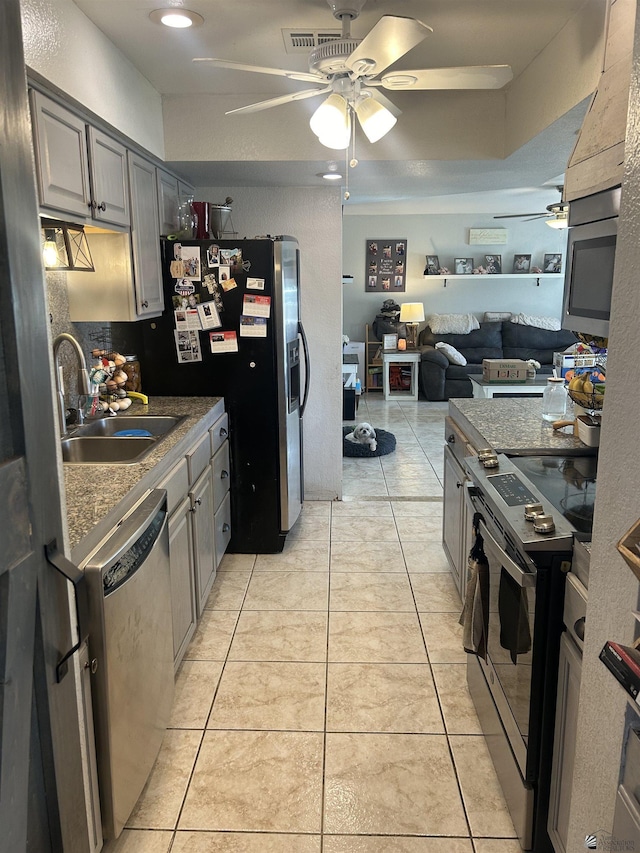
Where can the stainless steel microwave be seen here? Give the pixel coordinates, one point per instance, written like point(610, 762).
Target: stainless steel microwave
point(591, 249)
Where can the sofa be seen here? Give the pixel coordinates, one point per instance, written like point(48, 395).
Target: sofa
point(439, 379)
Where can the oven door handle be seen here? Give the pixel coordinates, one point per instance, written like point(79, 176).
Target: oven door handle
point(522, 578)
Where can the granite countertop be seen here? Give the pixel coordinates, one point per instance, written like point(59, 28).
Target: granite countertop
point(514, 425)
point(97, 496)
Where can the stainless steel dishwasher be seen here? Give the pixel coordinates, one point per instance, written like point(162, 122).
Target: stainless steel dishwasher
point(131, 651)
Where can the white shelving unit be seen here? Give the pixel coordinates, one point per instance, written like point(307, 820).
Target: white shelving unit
point(492, 276)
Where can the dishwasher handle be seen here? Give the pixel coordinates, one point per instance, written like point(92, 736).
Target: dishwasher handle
point(77, 577)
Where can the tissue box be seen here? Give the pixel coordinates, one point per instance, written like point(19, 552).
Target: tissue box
point(511, 370)
point(566, 364)
point(588, 432)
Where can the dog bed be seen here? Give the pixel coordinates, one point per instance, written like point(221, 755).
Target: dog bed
point(386, 444)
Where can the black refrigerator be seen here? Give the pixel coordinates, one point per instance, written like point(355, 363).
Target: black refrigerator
point(231, 327)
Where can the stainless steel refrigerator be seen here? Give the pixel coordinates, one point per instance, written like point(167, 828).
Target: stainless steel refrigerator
point(256, 357)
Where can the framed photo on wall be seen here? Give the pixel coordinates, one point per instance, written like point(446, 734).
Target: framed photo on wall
point(386, 265)
point(521, 263)
point(493, 263)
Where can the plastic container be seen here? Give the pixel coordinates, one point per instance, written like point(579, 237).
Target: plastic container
point(554, 399)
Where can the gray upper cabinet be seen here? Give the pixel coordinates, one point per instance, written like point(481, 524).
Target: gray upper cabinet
point(145, 242)
point(109, 186)
point(168, 201)
point(80, 169)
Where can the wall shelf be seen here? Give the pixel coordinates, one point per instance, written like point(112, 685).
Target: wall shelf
point(526, 275)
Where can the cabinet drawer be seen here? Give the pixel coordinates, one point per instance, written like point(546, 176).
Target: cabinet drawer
point(198, 457)
point(177, 485)
point(222, 524)
point(219, 433)
point(221, 471)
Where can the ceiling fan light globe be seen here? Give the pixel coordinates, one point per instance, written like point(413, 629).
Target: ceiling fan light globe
point(559, 221)
point(331, 118)
point(375, 120)
point(337, 141)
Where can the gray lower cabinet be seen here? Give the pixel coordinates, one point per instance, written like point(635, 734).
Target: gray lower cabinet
point(183, 598)
point(454, 533)
point(201, 495)
point(145, 245)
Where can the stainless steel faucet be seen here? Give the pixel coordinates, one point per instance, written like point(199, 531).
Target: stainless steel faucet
point(83, 378)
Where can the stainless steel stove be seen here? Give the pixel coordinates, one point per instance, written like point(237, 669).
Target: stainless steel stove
point(524, 509)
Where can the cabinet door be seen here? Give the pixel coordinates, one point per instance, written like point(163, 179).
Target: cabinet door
point(564, 746)
point(222, 523)
point(201, 496)
point(453, 534)
point(145, 238)
point(61, 157)
point(185, 192)
point(109, 183)
point(220, 466)
point(181, 563)
point(167, 202)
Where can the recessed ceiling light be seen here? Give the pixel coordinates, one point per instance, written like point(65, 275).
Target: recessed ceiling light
point(177, 17)
point(331, 176)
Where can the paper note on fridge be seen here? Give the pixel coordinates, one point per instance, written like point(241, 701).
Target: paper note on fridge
point(208, 314)
point(187, 319)
point(256, 306)
point(253, 327)
point(223, 341)
point(255, 284)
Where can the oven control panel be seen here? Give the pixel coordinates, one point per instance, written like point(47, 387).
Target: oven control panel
point(511, 489)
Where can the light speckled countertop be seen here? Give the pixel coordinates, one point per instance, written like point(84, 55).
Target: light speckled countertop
point(98, 495)
point(514, 425)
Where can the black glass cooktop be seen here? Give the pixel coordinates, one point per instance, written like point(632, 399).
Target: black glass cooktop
point(568, 482)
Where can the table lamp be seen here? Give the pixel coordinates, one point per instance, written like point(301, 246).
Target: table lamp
point(412, 313)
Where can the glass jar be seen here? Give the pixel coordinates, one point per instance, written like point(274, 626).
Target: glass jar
point(554, 399)
point(132, 368)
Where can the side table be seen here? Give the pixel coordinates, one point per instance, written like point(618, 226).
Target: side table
point(396, 357)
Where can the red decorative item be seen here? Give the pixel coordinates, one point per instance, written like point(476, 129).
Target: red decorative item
point(200, 210)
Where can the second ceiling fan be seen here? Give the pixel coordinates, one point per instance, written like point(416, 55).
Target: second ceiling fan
point(346, 69)
point(556, 215)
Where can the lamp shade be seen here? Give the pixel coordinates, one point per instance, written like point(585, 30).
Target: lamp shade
point(412, 312)
point(375, 120)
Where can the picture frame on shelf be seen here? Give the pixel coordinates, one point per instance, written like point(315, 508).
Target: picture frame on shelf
point(433, 265)
point(389, 342)
point(521, 263)
point(552, 263)
point(493, 264)
point(463, 266)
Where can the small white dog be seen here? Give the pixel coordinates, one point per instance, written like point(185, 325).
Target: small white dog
point(363, 433)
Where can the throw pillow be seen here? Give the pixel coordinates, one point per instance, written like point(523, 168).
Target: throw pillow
point(550, 323)
point(452, 324)
point(454, 356)
point(496, 316)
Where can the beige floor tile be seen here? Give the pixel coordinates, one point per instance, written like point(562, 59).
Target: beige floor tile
point(358, 471)
point(213, 635)
point(436, 593)
point(319, 508)
point(419, 529)
point(429, 509)
point(237, 563)
point(391, 783)
point(361, 488)
point(361, 509)
point(268, 695)
point(375, 638)
point(366, 529)
point(195, 688)
point(314, 527)
point(394, 844)
point(427, 487)
point(244, 842)
point(370, 591)
point(288, 591)
point(483, 799)
point(457, 706)
point(367, 557)
point(409, 470)
point(160, 801)
point(280, 636)
point(140, 841)
point(425, 557)
point(298, 555)
point(496, 845)
point(443, 637)
point(256, 781)
point(227, 592)
point(378, 697)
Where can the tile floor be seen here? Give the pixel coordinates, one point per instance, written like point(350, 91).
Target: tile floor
point(322, 704)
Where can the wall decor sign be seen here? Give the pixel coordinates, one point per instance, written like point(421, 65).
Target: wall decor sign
point(386, 266)
point(487, 236)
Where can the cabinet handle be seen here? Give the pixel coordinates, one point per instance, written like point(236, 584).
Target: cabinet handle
point(223, 432)
point(451, 438)
point(226, 528)
point(93, 204)
point(92, 665)
point(102, 206)
point(458, 485)
point(224, 475)
point(578, 628)
point(144, 304)
point(196, 504)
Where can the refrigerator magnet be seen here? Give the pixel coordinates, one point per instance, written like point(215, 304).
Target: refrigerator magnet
point(191, 262)
point(177, 251)
point(255, 284)
point(253, 327)
point(224, 277)
point(209, 317)
point(187, 346)
point(175, 269)
point(210, 283)
point(213, 256)
point(223, 342)
point(256, 306)
point(183, 287)
point(231, 257)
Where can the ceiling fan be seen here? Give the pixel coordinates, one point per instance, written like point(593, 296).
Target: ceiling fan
point(346, 68)
point(556, 215)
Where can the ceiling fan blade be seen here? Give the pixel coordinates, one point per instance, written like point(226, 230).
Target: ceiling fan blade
point(275, 102)
point(464, 77)
point(390, 39)
point(521, 215)
point(304, 76)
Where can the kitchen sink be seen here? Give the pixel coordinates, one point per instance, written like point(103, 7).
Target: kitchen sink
point(105, 450)
point(157, 425)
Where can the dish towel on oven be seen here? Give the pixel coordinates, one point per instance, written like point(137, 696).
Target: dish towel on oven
point(513, 610)
point(475, 613)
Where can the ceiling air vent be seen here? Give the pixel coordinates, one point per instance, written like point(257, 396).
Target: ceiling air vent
point(302, 41)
